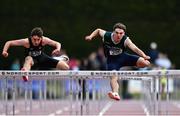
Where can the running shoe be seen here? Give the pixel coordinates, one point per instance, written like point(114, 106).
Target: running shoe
point(62, 58)
point(25, 78)
point(114, 95)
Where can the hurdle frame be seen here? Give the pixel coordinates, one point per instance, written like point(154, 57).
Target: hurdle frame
point(123, 75)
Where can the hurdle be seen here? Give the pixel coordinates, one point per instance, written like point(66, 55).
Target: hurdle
point(151, 93)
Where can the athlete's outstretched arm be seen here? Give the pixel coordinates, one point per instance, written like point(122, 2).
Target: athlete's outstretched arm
point(95, 33)
point(57, 45)
point(135, 49)
point(8, 44)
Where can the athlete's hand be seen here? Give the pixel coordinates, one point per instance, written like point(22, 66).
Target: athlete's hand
point(88, 38)
point(56, 52)
point(5, 54)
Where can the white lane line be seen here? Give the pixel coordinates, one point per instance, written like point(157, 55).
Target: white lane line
point(15, 112)
point(108, 105)
point(59, 112)
point(52, 114)
point(28, 108)
point(145, 110)
point(176, 104)
point(73, 106)
point(66, 109)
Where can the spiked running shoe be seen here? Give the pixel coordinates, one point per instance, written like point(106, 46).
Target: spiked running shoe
point(25, 78)
point(62, 58)
point(114, 95)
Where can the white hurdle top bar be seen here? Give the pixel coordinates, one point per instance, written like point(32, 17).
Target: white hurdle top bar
point(90, 73)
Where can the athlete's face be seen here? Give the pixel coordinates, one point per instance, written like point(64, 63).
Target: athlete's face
point(118, 34)
point(36, 40)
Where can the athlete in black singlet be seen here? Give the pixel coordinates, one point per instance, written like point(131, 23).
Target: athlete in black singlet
point(115, 44)
point(34, 51)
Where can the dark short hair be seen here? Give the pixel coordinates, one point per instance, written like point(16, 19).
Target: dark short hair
point(37, 31)
point(119, 25)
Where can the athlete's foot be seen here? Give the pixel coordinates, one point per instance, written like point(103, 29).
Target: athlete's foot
point(25, 78)
point(114, 95)
point(64, 58)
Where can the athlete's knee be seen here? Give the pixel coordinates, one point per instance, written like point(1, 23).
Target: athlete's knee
point(147, 63)
point(66, 67)
point(62, 65)
point(29, 60)
point(142, 62)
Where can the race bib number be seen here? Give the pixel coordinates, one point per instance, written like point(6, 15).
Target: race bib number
point(34, 53)
point(115, 51)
